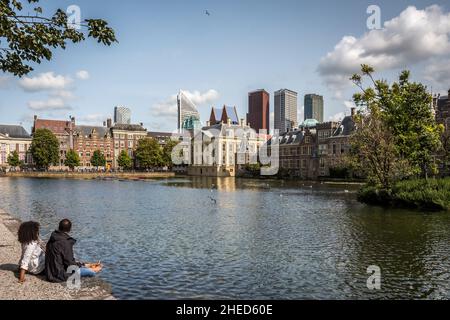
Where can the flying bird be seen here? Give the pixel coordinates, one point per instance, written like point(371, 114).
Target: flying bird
point(207, 13)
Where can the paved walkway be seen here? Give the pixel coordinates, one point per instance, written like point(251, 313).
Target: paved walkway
point(35, 287)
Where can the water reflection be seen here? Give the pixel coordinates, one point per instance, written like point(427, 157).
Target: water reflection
point(249, 239)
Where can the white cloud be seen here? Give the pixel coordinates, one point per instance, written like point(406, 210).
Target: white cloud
point(414, 36)
point(349, 104)
point(45, 82)
point(438, 72)
point(92, 119)
point(83, 75)
point(337, 117)
point(63, 94)
point(168, 108)
point(50, 104)
point(199, 98)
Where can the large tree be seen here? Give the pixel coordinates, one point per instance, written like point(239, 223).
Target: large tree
point(149, 153)
point(14, 160)
point(72, 159)
point(44, 148)
point(98, 159)
point(404, 108)
point(30, 38)
point(124, 161)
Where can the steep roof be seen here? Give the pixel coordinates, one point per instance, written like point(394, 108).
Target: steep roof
point(87, 130)
point(14, 131)
point(55, 126)
point(129, 127)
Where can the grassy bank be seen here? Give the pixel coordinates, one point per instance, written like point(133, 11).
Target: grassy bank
point(430, 195)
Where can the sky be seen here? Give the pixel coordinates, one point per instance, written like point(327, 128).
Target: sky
point(243, 45)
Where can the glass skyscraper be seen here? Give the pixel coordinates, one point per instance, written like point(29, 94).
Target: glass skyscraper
point(188, 115)
point(314, 107)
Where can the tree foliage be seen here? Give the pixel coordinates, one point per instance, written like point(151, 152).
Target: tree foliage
point(14, 160)
point(124, 161)
point(27, 39)
point(397, 133)
point(44, 148)
point(72, 159)
point(149, 153)
point(167, 152)
point(98, 159)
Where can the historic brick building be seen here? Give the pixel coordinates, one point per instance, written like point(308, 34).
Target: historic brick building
point(88, 139)
point(63, 130)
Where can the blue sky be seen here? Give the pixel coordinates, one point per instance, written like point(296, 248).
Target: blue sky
point(165, 46)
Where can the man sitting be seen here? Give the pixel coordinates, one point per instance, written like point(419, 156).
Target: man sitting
point(59, 256)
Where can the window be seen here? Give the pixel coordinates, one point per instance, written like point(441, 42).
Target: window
point(304, 164)
point(130, 144)
point(334, 148)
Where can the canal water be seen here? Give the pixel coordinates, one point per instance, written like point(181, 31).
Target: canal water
point(202, 238)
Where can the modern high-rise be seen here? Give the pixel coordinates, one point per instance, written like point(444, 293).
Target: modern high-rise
point(314, 107)
point(258, 115)
point(122, 115)
point(285, 110)
point(188, 115)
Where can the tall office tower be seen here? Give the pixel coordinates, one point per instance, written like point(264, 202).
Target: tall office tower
point(188, 115)
point(285, 110)
point(258, 115)
point(314, 107)
point(122, 115)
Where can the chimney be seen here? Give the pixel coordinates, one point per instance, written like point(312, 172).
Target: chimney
point(35, 117)
point(242, 123)
point(353, 112)
point(109, 122)
point(208, 123)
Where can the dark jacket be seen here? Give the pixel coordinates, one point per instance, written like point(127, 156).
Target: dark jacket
point(59, 256)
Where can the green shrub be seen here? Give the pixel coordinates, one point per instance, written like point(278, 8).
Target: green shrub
point(432, 194)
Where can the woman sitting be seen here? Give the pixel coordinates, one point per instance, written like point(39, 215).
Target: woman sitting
point(33, 255)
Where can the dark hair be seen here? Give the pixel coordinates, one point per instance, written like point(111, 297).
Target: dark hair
point(65, 225)
point(28, 232)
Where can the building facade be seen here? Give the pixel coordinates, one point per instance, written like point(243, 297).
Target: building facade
point(258, 116)
point(314, 107)
point(339, 145)
point(89, 139)
point(285, 110)
point(298, 153)
point(14, 138)
point(122, 115)
point(64, 132)
point(222, 149)
point(324, 132)
point(126, 137)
